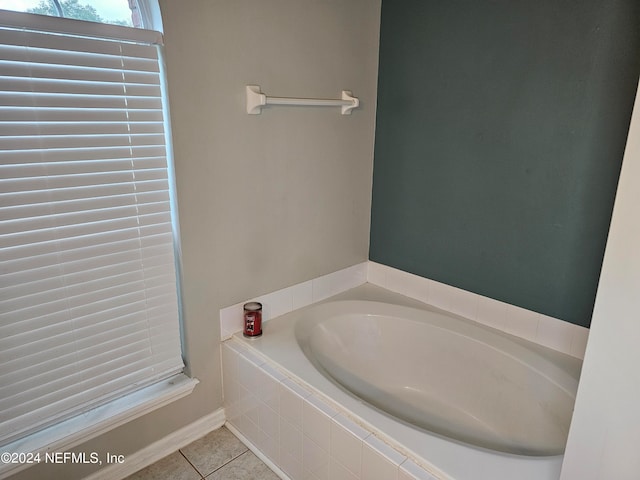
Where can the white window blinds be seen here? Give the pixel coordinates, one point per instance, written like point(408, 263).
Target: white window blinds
point(88, 302)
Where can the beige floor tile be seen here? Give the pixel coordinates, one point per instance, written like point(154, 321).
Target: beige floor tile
point(213, 450)
point(172, 467)
point(245, 467)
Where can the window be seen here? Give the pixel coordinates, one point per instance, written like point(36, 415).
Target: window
point(89, 309)
point(129, 13)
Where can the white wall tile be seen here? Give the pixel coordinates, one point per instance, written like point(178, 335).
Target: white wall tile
point(290, 440)
point(491, 313)
point(252, 431)
point(376, 274)
point(229, 373)
point(229, 359)
point(337, 282)
point(554, 334)
point(232, 413)
point(315, 460)
point(291, 466)
point(408, 284)
point(521, 323)
point(247, 374)
point(276, 303)
point(245, 402)
point(441, 295)
point(376, 466)
point(302, 295)
point(270, 422)
point(346, 448)
point(316, 425)
point(463, 303)
point(252, 411)
point(230, 396)
point(338, 472)
point(240, 422)
point(271, 446)
point(579, 341)
point(231, 389)
point(245, 399)
point(291, 407)
point(270, 426)
point(268, 389)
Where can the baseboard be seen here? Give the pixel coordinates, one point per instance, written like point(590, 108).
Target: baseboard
point(274, 468)
point(163, 447)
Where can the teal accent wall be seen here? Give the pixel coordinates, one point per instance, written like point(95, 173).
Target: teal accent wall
point(501, 127)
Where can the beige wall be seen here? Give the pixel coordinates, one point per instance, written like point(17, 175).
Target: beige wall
point(265, 201)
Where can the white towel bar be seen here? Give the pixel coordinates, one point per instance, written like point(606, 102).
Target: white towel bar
point(256, 100)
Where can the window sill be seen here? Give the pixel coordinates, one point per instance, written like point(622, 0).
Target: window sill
point(77, 430)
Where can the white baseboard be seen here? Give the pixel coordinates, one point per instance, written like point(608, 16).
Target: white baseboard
point(274, 468)
point(163, 447)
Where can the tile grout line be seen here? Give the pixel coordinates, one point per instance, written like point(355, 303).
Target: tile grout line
point(226, 463)
point(192, 465)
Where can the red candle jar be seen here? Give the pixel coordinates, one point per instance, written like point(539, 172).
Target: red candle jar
point(252, 319)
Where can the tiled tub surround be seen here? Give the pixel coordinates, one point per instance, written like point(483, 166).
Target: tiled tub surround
point(302, 435)
point(534, 327)
point(280, 438)
point(304, 430)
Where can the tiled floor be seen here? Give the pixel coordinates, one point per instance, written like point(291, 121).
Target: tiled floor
point(216, 456)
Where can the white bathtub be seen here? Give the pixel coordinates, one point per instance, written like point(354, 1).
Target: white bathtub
point(467, 401)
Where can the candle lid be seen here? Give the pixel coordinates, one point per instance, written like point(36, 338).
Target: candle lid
point(253, 306)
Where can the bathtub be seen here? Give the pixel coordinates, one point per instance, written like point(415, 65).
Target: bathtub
point(464, 400)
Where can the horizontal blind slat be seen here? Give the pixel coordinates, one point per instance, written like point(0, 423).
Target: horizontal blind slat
point(17, 114)
point(81, 167)
point(77, 101)
point(78, 128)
point(66, 86)
point(70, 60)
point(47, 142)
point(27, 210)
point(77, 73)
point(24, 39)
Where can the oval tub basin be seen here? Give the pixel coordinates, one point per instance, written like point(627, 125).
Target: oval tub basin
point(442, 374)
